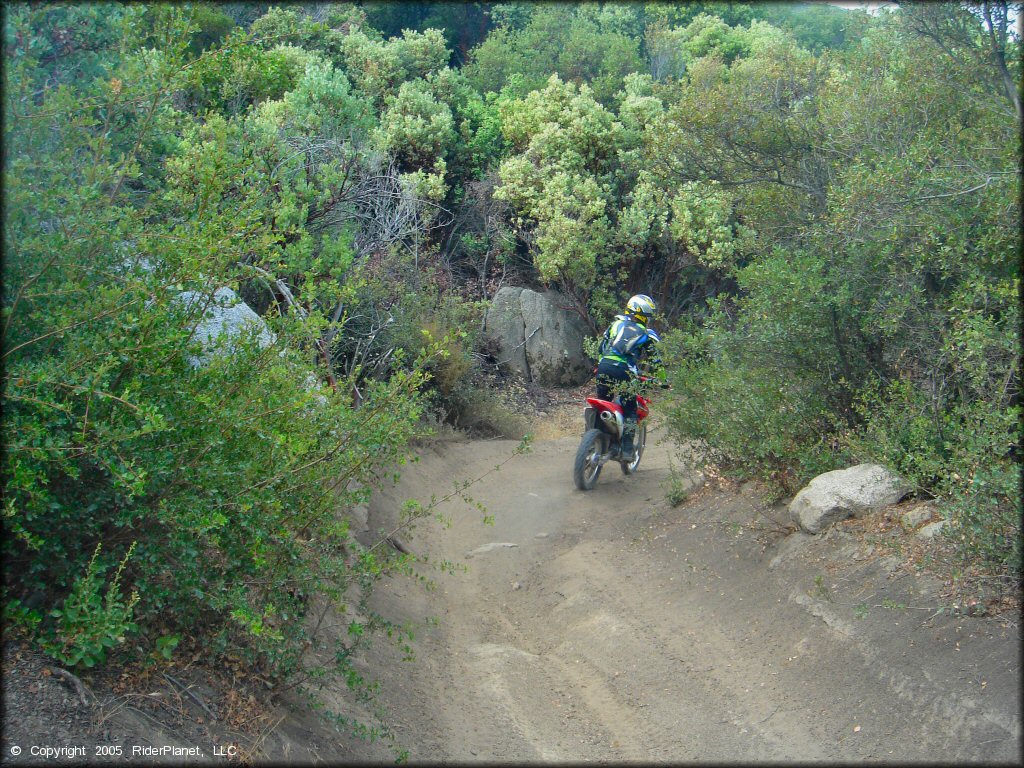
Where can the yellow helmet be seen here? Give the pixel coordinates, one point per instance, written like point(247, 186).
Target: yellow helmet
point(641, 308)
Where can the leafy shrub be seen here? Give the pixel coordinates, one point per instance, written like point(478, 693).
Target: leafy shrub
point(416, 127)
point(963, 454)
point(88, 625)
point(582, 44)
point(884, 324)
point(294, 27)
point(232, 477)
point(212, 26)
point(755, 388)
point(236, 74)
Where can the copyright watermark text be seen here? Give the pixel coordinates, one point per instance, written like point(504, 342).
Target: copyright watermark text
point(116, 750)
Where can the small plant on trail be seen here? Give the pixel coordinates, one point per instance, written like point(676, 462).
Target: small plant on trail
point(821, 589)
point(677, 485)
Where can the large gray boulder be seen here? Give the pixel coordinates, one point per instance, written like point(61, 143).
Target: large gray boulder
point(226, 317)
point(504, 324)
point(538, 337)
point(844, 493)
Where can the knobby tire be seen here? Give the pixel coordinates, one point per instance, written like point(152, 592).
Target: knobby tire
point(639, 442)
point(587, 466)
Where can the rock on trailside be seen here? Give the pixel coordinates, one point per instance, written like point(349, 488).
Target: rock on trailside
point(538, 337)
point(632, 630)
point(837, 495)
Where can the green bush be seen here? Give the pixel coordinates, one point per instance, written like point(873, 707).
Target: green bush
point(235, 74)
point(88, 625)
point(230, 479)
point(963, 454)
point(884, 323)
point(754, 380)
point(212, 26)
point(390, 314)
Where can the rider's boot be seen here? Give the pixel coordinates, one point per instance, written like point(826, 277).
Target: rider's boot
point(628, 430)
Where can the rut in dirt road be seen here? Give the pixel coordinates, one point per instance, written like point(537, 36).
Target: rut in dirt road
point(607, 625)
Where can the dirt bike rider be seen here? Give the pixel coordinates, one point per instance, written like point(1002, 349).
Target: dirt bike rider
point(628, 342)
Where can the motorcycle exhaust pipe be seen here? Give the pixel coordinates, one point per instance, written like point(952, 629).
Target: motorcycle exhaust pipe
point(613, 420)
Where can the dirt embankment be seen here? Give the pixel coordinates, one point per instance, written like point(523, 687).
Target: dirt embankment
point(611, 626)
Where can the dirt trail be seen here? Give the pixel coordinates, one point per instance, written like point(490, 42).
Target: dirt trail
point(609, 626)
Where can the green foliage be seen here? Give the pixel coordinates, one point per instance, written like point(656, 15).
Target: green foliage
point(961, 453)
point(89, 624)
point(701, 223)
point(596, 217)
point(678, 486)
point(742, 115)
point(212, 26)
point(681, 14)
point(766, 420)
point(293, 27)
point(560, 182)
point(166, 645)
point(480, 133)
point(598, 46)
point(232, 77)
point(457, 390)
point(710, 34)
point(378, 68)
point(666, 56)
point(67, 42)
point(882, 327)
point(826, 203)
point(19, 617)
point(416, 127)
point(226, 462)
point(815, 26)
point(464, 24)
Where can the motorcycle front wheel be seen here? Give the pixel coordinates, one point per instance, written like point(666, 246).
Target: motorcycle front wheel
point(629, 467)
point(587, 466)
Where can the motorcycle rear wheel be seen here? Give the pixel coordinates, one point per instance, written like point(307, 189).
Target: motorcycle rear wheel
point(587, 466)
point(639, 441)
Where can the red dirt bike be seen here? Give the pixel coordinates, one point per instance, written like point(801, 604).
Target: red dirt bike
point(602, 435)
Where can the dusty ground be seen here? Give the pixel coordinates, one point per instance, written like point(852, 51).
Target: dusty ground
point(610, 626)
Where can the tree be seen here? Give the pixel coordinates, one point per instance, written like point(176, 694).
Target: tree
point(379, 67)
point(748, 125)
point(465, 25)
point(977, 39)
point(210, 491)
point(880, 326)
point(815, 26)
point(559, 182)
point(596, 46)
